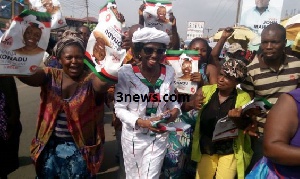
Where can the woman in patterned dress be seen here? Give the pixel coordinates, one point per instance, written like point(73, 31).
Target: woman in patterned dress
point(69, 137)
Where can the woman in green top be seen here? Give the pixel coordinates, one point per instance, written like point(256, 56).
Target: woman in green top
point(228, 157)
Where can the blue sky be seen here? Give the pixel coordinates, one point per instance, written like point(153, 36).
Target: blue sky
point(215, 13)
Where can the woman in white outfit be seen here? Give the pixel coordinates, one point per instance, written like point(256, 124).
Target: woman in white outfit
point(144, 146)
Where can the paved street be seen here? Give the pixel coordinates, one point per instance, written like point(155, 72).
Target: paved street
point(29, 103)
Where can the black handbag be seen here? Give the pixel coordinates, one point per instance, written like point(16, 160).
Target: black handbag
point(225, 129)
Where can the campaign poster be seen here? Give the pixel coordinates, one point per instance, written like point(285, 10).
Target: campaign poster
point(108, 33)
point(157, 14)
point(184, 64)
point(52, 7)
point(23, 45)
point(258, 14)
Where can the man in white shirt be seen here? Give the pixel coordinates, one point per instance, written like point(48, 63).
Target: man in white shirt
point(260, 16)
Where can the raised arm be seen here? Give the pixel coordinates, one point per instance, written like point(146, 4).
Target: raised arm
point(37, 79)
point(141, 17)
point(212, 73)
point(281, 126)
point(175, 37)
point(100, 86)
point(219, 46)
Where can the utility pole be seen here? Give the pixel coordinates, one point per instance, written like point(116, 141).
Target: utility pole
point(87, 11)
point(208, 29)
point(238, 12)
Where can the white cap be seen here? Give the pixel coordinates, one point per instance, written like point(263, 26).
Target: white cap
point(147, 35)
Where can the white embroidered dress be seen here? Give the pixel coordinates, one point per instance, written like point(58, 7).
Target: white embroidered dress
point(143, 152)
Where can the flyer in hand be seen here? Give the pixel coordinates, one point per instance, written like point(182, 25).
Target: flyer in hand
point(103, 50)
point(184, 62)
point(256, 107)
point(157, 14)
point(106, 33)
point(227, 128)
point(173, 126)
point(23, 44)
point(53, 7)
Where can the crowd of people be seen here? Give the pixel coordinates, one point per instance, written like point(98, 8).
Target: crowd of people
point(69, 137)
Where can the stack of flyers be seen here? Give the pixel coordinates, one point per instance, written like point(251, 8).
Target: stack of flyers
point(157, 123)
point(174, 126)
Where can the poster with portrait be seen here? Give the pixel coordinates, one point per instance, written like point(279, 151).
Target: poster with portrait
point(156, 14)
point(107, 33)
point(257, 14)
point(53, 7)
point(185, 63)
point(23, 45)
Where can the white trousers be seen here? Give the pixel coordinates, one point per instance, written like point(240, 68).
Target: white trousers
point(144, 155)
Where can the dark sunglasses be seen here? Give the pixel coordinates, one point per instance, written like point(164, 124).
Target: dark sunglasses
point(150, 50)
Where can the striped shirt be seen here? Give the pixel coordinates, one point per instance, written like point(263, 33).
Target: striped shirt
point(61, 130)
point(268, 83)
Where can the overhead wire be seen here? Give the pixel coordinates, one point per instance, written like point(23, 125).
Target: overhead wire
point(216, 11)
point(224, 14)
point(220, 14)
point(215, 14)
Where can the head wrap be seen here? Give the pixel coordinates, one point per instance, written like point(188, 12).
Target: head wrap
point(31, 20)
point(236, 68)
point(68, 40)
point(147, 35)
